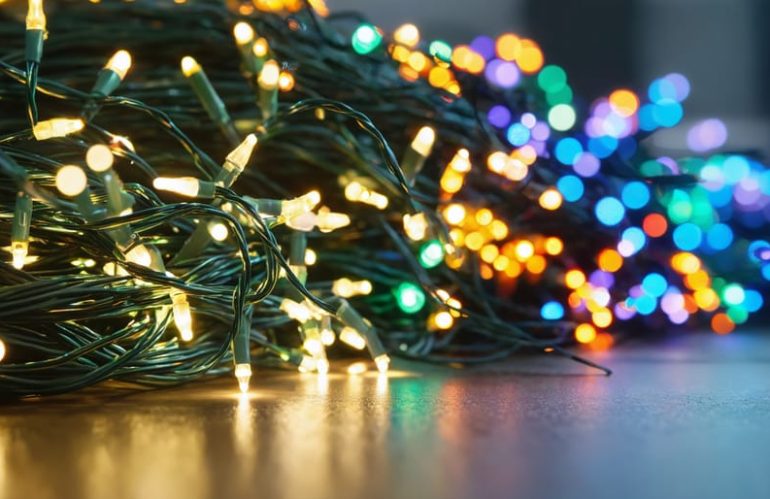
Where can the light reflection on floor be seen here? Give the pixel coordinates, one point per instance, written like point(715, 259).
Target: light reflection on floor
point(544, 430)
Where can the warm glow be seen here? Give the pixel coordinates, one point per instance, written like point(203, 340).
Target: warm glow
point(268, 77)
point(71, 180)
point(610, 260)
point(119, 63)
point(189, 66)
point(624, 102)
point(550, 199)
point(524, 250)
point(184, 186)
point(423, 141)
point(243, 33)
point(407, 34)
point(57, 127)
point(553, 246)
point(35, 15)
point(574, 279)
point(99, 158)
point(286, 81)
point(585, 333)
point(352, 338)
point(508, 47)
point(454, 214)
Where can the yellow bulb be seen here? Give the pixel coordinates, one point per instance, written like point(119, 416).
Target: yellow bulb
point(261, 48)
point(286, 81)
point(554, 246)
point(461, 162)
point(423, 141)
point(574, 279)
point(243, 33)
point(484, 217)
point(268, 77)
point(353, 338)
point(443, 320)
point(19, 250)
point(407, 34)
point(489, 252)
point(218, 231)
point(57, 127)
point(524, 250)
point(550, 199)
point(499, 230)
point(99, 158)
point(184, 186)
point(190, 66)
point(451, 181)
point(585, 333)
point(71, 180)
point(474, 241)
point(455, 214)
point(243, 375)
point(292, 208)
point(383, 362)
point(310, 257)
point(119, 63)
point(602, 317)
point(415, 226)
point(2, 350)
point(35, 15)
point(182, 315)
point(357, 368)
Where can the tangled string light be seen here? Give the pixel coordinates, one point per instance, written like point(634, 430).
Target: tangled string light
point(268, 183)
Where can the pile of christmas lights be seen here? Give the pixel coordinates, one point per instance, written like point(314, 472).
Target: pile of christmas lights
point(267, 183)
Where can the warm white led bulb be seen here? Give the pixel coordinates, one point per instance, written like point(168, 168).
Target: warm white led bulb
point(99, 158)
point(353, 338)
point(19, 250)
point(119, 63)
point(461, 161)
point(383, 362)
point(189, 66)
point(346, 288)
point(407, 35)
point(423, 141)
point(185, 186)
point(243, 33)
point(268, 77)
point(139, 255)
point(182, 315)
point(261, 48)
point(71, 180)
point(35, 15)
point(415, 226)
point(218, 231)
point(243, 375)
point(239, 157)
point(57, 127)
point(328, 221)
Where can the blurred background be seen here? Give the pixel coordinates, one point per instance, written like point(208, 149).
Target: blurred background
point(722, 46)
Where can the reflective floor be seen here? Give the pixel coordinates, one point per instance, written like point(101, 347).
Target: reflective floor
point(690, 418)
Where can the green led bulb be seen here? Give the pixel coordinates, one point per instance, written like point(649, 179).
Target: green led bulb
point(409, 297)
point(441, 50)
point(431, 254)
point(366, 38)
